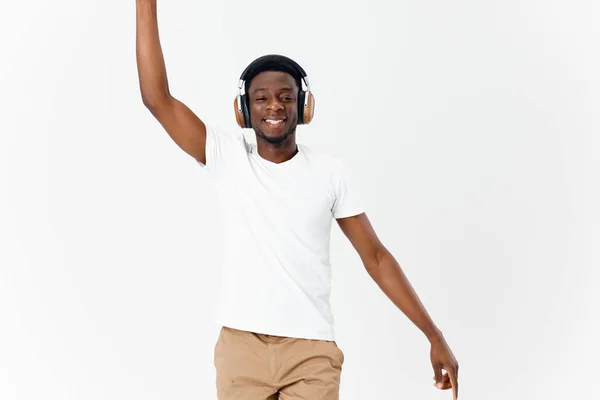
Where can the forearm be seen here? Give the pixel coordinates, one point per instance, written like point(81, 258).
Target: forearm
point(388, 275)
point(152, 72)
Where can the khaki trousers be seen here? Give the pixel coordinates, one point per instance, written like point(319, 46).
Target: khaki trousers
point(253, 366)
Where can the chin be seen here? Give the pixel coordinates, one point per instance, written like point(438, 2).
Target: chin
point(276, 138)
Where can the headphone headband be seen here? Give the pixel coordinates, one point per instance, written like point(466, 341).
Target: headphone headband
point(269, 58)
point(272, 57)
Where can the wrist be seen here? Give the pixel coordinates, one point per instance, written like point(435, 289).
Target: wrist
point(434, 335)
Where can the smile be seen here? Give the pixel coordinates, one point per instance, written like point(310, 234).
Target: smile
point(274, 122)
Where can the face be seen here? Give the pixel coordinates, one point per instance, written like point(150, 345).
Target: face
point(273, 99)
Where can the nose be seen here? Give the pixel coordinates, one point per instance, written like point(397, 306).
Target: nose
point(274, 104)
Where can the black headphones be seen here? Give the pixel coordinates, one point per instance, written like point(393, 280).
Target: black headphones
point(306, 101)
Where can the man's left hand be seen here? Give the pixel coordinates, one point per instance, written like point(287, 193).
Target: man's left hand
point(443, 359)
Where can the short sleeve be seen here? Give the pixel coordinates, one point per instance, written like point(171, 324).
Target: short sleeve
point(221, 146)
point(348, 201)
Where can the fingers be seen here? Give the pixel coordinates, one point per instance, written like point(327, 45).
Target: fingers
point(453, 373)
point(437, 370)
point(448, 381)
point(445, 382)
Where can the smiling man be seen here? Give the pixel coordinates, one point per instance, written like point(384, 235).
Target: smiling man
point(273, 125)
point(280, 197)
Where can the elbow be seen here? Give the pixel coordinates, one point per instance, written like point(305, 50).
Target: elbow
point(154, 100)
point(148, 103)
point(375, 258)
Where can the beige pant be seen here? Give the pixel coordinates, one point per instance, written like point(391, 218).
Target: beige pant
point(253, 366)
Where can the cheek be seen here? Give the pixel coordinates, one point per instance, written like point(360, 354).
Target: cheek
point(294, 113)
point(255, 112)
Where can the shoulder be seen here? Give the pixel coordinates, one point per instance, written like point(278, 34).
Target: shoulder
point(226, 138)
point(322, 160)
point(224, 134)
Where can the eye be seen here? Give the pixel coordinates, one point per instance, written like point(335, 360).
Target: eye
point(287, 98)
point(260, 99)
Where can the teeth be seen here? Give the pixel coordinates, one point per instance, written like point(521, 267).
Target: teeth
point(274, 122)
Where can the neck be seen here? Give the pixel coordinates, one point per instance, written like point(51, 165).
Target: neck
point(277, 152)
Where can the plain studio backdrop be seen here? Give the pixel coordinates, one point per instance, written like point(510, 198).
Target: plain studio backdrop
point(472, 131)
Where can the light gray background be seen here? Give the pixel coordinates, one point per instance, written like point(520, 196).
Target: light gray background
point(472, 128)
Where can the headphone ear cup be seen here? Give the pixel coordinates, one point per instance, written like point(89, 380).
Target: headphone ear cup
point(301, 97)
point(239, 113)
point(308, 112)
point(245, 111)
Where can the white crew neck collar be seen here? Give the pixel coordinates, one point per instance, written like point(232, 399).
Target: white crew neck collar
point(272, 164)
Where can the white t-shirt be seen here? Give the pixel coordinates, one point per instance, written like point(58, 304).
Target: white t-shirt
point(276, 276)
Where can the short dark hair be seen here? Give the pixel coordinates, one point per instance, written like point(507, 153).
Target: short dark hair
point(274, 64)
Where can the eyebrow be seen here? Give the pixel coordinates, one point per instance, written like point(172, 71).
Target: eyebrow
point(283, 88)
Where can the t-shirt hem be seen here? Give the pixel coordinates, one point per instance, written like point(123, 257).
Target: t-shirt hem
point(351, 213)
point(330, 337)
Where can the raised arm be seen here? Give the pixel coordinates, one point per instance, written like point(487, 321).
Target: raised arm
point(182, 125)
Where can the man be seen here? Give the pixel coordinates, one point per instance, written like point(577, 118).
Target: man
point(277, 340)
